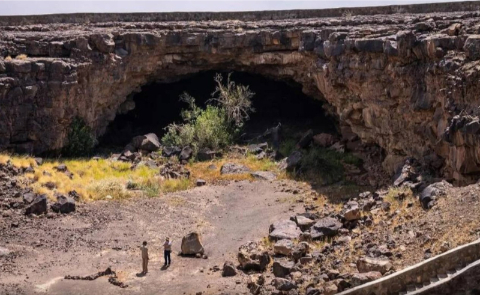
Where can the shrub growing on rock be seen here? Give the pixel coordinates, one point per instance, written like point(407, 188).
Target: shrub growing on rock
point(80, 139)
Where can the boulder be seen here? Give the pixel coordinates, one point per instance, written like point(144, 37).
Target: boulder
point(283, 247)
point(201, 182)
point(207, 154)
point(282, 268)
point(472, 47)
point(253, 262)
point(61, 168)
point(284, 229)
point(192, 244)
point(264, 260)
point(64, 205)
point(324, 139)
point(306, 139)
point(170, 151)
point(292, 162)
point(303, 222)
point(229, 269)
point(148, 142)
point(325, 227)
point(283, 284)
point(264, 175)
point(257, 148)
point(38, 206)
point(28, 198)
point(73, 194)
point(38, 161)
point(300, 251)
point(362, 278)
point(352, 211)
point(431, 192)
point(330, 289)
point(368, 264)
point(232, 168)
point(185, 154)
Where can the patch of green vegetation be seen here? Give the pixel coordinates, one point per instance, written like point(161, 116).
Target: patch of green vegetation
point(80, 139)
point(217, 125)
point(287, 147)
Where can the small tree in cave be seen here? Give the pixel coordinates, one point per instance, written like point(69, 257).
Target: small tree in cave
point(234, 99)
point(217, 125)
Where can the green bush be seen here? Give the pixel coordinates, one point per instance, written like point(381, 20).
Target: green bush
point(80, 139)
point(209, 130)
point(234, 99)
point(287, 147)
point(215, 126)
point(212, 129)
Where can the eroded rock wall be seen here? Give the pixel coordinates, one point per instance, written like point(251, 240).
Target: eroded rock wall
point(407, 82)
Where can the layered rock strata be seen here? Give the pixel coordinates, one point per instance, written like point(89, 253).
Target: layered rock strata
point(407, 82)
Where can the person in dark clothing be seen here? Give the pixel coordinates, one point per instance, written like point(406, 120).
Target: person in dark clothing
point(145, 258)
point(167, 249)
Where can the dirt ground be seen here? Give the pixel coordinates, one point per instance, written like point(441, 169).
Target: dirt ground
point(107, 234)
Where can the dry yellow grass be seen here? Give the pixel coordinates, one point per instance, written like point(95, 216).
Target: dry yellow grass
point(21, 56)
point(203, 170)
point(106, 179)
point(8, 58)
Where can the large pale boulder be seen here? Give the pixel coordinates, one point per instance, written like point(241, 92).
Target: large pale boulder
point(192, 244)
point(233, 168)
point(284, 229)
point(283, 247)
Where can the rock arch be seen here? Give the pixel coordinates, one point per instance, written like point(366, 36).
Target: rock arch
point(404, 81)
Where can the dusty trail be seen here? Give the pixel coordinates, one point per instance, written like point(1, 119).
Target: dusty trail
point(103, 234)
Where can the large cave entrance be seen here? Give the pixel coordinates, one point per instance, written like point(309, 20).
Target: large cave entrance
point(158, 105)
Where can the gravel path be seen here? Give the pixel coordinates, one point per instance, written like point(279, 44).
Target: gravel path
point(106, 234)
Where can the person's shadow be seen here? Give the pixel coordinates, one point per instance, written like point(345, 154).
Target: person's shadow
point(165, 267)
point(140, 274)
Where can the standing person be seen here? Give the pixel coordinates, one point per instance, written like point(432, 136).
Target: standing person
point(145, 258)
point(167, 249)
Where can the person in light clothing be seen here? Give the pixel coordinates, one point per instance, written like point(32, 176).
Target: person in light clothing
point(167, 249)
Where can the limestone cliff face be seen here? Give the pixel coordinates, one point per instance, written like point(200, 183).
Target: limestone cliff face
point(408, 82)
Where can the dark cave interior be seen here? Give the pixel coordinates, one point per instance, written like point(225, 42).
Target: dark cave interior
point(158, 105)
